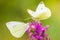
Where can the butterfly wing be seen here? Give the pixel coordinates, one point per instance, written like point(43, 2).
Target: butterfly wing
point(30, 12)
point(17, 29)
point(43, 11)
point(40, 6)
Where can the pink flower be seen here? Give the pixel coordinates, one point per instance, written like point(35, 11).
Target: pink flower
point(36, 31)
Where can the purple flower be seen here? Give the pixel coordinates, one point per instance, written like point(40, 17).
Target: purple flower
point(37, 32)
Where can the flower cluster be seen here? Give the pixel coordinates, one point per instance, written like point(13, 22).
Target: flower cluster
point(37, 32)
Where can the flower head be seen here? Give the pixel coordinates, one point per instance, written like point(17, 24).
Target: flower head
point(36, 31)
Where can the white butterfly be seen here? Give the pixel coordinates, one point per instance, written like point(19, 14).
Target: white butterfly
point(17, 29)
point(41, 12)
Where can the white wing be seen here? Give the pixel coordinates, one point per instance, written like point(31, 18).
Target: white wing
point(32, 13)
point(17, 29)
point(40, 6)
point(42, 11)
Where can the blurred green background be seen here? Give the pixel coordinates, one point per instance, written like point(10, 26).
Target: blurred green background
point(16, 10)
